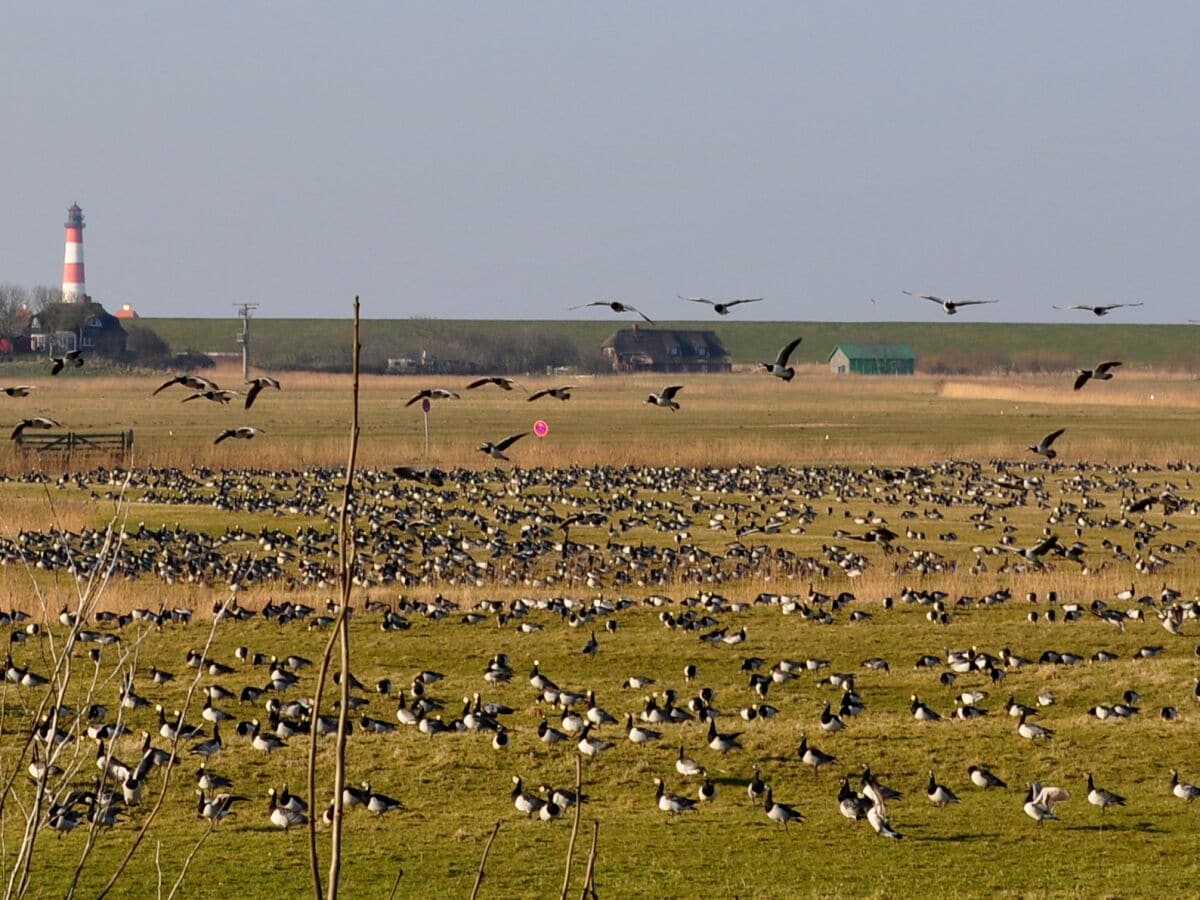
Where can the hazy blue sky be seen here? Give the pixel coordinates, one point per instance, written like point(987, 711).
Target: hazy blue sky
point(487, 160)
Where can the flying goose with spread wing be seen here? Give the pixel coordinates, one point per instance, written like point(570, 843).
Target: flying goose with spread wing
point(780, 368)
point(616, 306)
point(1098, 310)
point(949, 307)
point(721, 307)
point(1102, 372)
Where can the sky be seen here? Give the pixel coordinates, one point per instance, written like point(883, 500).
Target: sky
point(489, 160)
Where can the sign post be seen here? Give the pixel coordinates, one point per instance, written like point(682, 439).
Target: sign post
point(425, 404)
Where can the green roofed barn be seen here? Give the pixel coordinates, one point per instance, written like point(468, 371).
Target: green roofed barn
point(872, 359)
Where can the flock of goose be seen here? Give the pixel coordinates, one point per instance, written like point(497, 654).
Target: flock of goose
point(202, 389)
point(618, 548)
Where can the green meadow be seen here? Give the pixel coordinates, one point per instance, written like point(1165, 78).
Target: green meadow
point(1127, 438)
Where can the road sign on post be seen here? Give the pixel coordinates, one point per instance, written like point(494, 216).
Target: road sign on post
point(425, 407)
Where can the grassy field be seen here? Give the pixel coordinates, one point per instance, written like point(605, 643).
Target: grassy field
point(731, 420)
point(958, 345)
point(1120, 438)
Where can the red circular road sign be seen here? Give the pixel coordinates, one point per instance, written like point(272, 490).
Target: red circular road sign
point(541, 428)
point(425, 405)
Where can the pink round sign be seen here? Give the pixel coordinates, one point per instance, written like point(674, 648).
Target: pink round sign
point(540, 428)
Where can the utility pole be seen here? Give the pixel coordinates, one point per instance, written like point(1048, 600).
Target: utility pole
point(245, 311)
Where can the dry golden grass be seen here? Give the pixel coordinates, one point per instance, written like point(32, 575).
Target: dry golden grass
point(745, 418)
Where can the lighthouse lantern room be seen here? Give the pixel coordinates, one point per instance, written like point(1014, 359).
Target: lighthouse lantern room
point(73, 287)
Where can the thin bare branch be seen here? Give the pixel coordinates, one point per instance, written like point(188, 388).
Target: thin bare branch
point(574, 828)
point(483, 862)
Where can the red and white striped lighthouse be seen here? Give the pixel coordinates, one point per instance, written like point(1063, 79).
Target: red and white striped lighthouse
point(73, 288)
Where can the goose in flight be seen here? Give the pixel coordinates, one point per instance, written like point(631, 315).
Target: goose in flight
point(721, 307)
point(432, 394)
point(616, 306)
point(496, 451)
point(20, 390)
point(1099, 310)
point(500, 381)
point(780, 368)
point(244, 432)
point(221, 396)
point(950, 307)
point(74, 357)
point(257, 385)
point(36, 422)
point(1043, 448)
point(195, 382)
point(667, 397)
point(558, 393)
point(1102, 372)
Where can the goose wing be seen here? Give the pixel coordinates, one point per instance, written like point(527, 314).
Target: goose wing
point(1051, 438)
point(509, 441)
point(669, 393)
point(1106, 366)
point(782, 359)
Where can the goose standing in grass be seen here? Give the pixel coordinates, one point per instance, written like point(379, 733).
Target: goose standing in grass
point(257, 385)
point(378, 803)
point(672, 804)
point(35, 422)
point(592, 746)
point(1043, 448)
point(616, 306)
point(780, 813)
point(1102, 372)
point(721, 307)
point(1101, 797)
point(949, 307)
point(756, 789)
point(780, 368)
point(1099, 310)
point(1182, 789)
point(283, 816)
point(981, 777)
point(830, 721)
point(666, 398)
point(1037, 809)
point(876, 791)
point(812, 756)
point(878, 820)
point(939, 795)
point(1031, 731)
point(639, 735)
point(216, 807)
point(211, 747)
point(241, 433)
point(921, 711)
point(496, 451)
point(722, 743)
point(707, 792)
point(524, 802)
point(851, 804)
point(688, 767)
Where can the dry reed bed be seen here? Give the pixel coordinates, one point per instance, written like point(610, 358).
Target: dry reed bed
point(725, 420)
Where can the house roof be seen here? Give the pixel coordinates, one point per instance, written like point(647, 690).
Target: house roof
point(657, 344)
point(874, 351)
